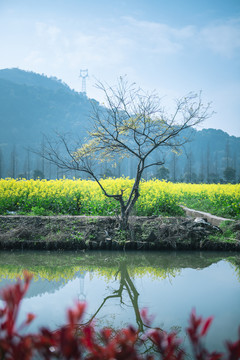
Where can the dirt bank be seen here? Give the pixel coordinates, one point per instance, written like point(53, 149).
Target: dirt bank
point(86, 232)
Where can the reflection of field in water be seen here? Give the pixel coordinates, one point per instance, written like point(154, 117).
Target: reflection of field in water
point(117, 285)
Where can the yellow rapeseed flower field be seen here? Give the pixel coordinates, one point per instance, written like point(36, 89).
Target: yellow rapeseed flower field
point(84, 197)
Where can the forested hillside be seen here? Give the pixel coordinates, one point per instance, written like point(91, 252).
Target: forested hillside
point(32, 105)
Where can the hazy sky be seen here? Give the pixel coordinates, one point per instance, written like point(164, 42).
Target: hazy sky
point(172, 46)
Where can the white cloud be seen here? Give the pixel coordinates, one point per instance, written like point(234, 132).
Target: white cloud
point(158, 38)
point(222, 38)
point(122, 45)
point(47, 31)
point(125, 44)
point(34, 57)
point(130, 46)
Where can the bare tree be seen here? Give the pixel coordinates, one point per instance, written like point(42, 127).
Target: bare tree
point(131, 124)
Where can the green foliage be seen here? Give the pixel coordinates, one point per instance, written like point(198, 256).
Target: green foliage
point(228, 234)
point(40, 211)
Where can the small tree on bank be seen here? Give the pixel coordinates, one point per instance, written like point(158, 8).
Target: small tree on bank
point(132, 124)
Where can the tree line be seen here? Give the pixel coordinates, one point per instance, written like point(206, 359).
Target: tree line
point(22, 163)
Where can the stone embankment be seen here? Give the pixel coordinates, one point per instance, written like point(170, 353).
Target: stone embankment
point(93, 233)
point(212, 219)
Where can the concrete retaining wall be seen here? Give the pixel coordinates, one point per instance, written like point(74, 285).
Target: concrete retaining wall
point(212, 219)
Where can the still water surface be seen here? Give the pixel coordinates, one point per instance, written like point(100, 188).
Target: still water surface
point(117, 285)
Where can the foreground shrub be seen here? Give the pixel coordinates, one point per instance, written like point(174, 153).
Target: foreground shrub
point(73, 341)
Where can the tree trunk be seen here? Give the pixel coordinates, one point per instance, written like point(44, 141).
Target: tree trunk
point(124, 219)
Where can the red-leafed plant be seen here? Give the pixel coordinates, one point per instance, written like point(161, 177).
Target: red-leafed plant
point(75, 342)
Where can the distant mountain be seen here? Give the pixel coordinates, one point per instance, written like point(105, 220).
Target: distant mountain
point(32, 105)
point(29, 78)
point(38, 287)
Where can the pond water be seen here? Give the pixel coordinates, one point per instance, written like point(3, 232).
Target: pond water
point(117, 285)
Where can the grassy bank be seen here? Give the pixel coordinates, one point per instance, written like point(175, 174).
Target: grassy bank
point(84, 197)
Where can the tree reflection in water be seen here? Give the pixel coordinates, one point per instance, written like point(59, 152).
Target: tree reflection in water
point(125, 284)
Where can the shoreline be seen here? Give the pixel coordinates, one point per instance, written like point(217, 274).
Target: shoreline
point(22, 232)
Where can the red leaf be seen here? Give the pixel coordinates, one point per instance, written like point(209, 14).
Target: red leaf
point(206, 326)
point(106, 333)
point(30, 318)
point(148, 319)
